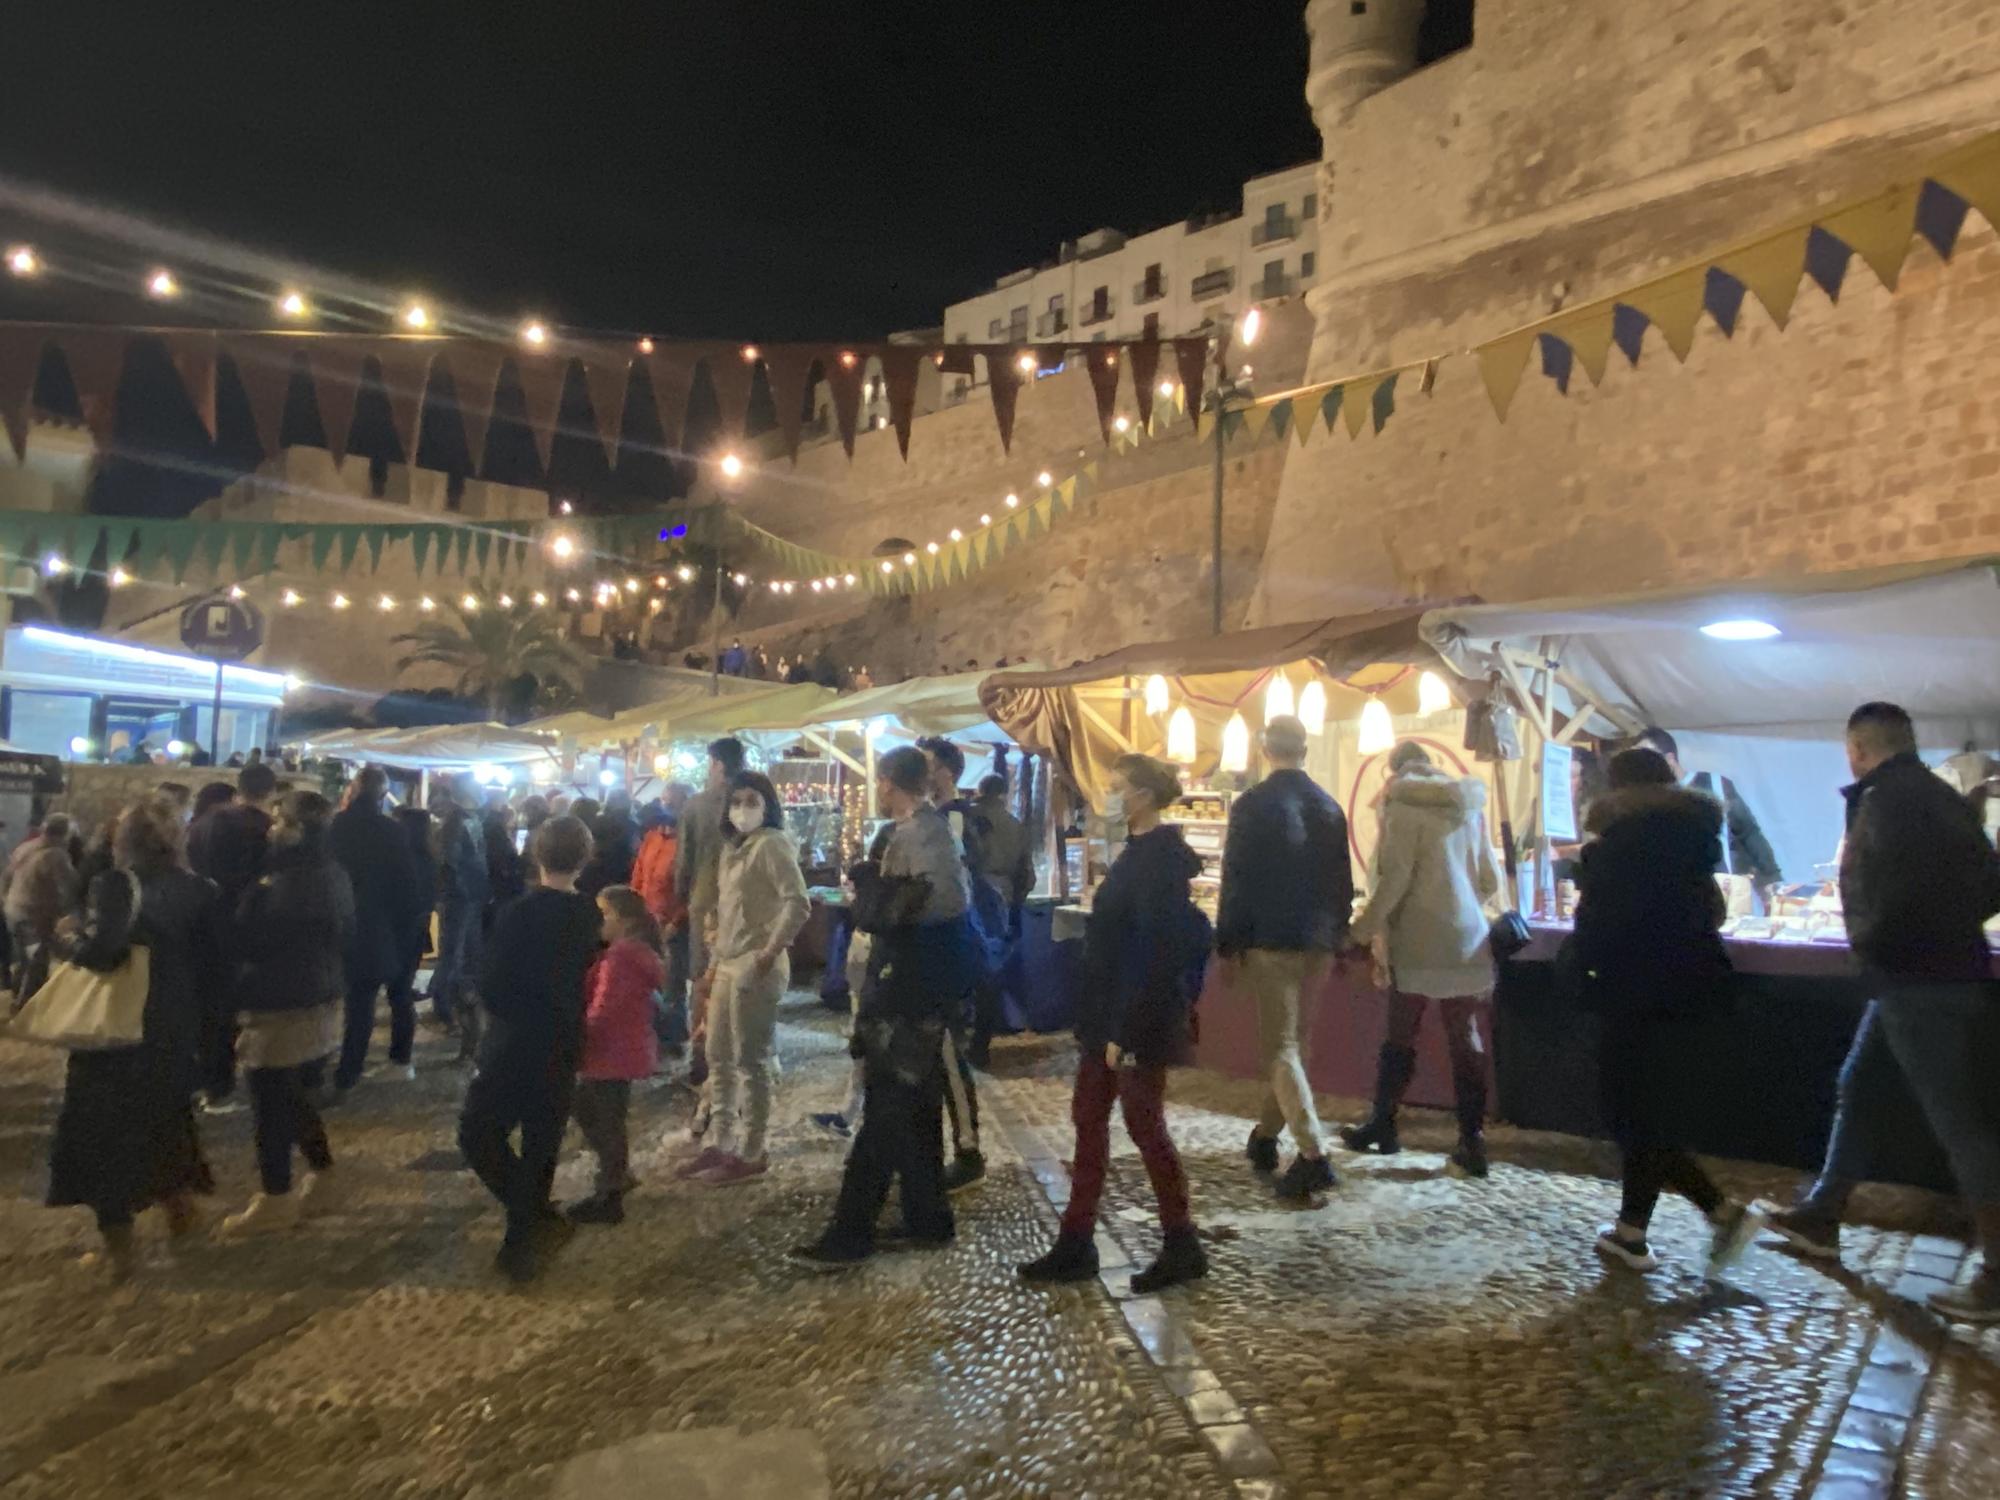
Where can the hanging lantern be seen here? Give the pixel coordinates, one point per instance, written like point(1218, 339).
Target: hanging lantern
point(1278, 700)
point(1378, 730)
point(1433, 697)
point(1235, 745)
point(1157, 698)
point(1180, 736)
point(1312, 707)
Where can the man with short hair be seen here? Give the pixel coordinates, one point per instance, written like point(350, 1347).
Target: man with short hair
point(1007, 868)
point(698, 862)
point(961, 1100)
point(1746, 851)
point(229, 846)
point(389, 912)
point(1918, 880)
point(1287, 898)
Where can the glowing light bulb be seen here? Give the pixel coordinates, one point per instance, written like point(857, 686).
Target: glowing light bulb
point(1045, 479)
point(1121, 424)
point(564, 546)
point(538, 598)
point(1433, 697)
point(888, 567)
point(416, 315)
point(53, 566)
point(1025, 364)
point(985, 520)
point(909, 559)
point(1312, 707)
point(22, 260)
point(1158, 697)
point(290, 599)
point(687, 574)
point(427, 604)
point(732, 466)
point(236, 591)
point(1013, 501)
point(777, 587)
point(817, 585)
point(119, 578)
point(1181, 737)
point(341, 601)
point(847, 360)
point(751, 354)
point(1279, 701)
point(293, 305)
point(645, 346)
point(931, 547)
point(789, 585)
point(850, 580)
point(565, 509)
point(1377, 734)
point(573, 596)
point(470, 604)
point(740, 578)
point(631, 585)
point(161, 284)
point(385, 603)
point(1167, 389)
point(1253, 324)
point(957, 535)
point(506, 601)
point(536, 334)
point(1235, 745)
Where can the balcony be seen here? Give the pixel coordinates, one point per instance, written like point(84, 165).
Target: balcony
point(1268, 285)
point(1212, 284)
point(1148, 291)
point(1274, 232)
point(1049, 324)
point(1097, 312)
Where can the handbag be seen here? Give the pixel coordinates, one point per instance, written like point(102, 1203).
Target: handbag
point(91, 1010)
point(1508, 935)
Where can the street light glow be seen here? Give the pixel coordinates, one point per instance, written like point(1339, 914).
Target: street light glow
point(22, 260)
point(1253, 324)
point(162, 284)
point(732, 466)
point(293, 305)
point(535, 333)
point(564, 545)
point(416, 315)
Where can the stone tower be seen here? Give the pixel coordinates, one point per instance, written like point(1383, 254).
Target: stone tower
point(1358, 47)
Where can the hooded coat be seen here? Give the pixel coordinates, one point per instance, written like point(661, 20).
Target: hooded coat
point(1143, 951)
point(1432, 877)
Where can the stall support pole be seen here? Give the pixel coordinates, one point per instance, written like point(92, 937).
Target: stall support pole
point(715, 632)
point(215, 720)
point(1215, 540)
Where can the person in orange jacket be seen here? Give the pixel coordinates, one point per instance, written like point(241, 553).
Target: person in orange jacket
point(653, 878)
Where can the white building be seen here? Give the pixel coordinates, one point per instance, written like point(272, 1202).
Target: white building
point(1176, 280)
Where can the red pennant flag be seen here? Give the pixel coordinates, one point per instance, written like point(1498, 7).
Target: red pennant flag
point(264, 369)
point(475, 377)
point(673, 378)
point(336, 368)
point(731, 375)
point(1145, 357)
point(1003, 374)
point(96, 359)
point(605, 374)
point(20, 359)
point(542, 377)
point(957, 359)
point(843, 374)
point(193, 355)
point(899, 375)
point(404, 367)
point(1192, 357)
point(788, 370)
point(1102, 362)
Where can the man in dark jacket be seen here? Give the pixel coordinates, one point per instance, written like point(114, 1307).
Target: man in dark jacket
point(989, 920)
point(1748, 851)
point(1287, 897)
point(389, 913)
point(463, 885)
point(1918, 881)
point(230, 846)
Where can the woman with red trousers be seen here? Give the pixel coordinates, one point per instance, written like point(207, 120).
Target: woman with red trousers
point(1143, 954)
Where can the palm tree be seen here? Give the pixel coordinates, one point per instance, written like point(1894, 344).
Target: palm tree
point(493, 647)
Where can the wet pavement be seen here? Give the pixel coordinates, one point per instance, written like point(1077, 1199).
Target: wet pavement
point(1416, 1335)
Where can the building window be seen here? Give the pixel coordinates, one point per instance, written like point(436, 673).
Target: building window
point(994, 329)
point(45, 723)
point(1152, 328)
point(1309, 209)
point(1357, 7)
point(1056, 303)
point(1274, 270)
point(1308, 263)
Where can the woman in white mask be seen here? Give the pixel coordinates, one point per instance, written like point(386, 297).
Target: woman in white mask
point(762, 906)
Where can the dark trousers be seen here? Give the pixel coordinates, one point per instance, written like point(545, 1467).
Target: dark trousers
point(285, 1118)
point(901, 1136)
point(1142, 1089)
point(518, 1086)
point(457, 957)
point(218, 1051)
point(403, 1007)
point(1647, 1095)
point(961, 1092)
point(360, 1029)
point(673, 1019)
point(601, 1108)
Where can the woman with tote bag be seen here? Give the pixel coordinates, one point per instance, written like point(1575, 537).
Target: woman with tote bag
point(125, 1137)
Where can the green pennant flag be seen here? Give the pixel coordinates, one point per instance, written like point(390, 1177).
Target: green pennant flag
point(350, 543)
point(179, 544)
point(1281, 418)
point(214, 542)
point(482, 547)
point(117, 541)
point(1329, 406)
point(1232, 424)
point(1384, 405)
point(243, 547)
point(420, 547)
point(461, 544)
point(321, 547)
point(375, 538)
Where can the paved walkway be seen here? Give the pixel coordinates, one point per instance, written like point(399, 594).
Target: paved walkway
point(1415, 1336)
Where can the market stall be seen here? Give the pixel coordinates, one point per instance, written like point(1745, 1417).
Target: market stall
point(1755, 680)
point(1359, 683)
point(495, 753)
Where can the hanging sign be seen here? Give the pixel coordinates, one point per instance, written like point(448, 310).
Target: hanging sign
point(222, 629)
point(1558, 795)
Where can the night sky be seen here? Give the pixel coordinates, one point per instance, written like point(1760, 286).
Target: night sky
point(741, 168)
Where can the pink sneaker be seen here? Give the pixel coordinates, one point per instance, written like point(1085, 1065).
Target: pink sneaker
point(709, 1157)
point(732, 1170)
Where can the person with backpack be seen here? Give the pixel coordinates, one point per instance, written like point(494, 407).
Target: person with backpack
point(1143, 954)
point(988, 917)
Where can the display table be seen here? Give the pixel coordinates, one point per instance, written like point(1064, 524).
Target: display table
point(1770, 1063)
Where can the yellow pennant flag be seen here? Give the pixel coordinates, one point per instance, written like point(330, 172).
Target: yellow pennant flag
point(1879, 231)
point(1976, 179)
point(1357, 401)
point(1587, 331)
point(1501, 365)
point(1256, 420)
point(1673, 306)
point(1772, 270)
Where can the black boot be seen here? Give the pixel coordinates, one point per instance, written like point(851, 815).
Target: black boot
point(1072, 1258)
point(1393, 1071)
point(1181, 1259)
point(1469, 1158)
point(1469, 1086)
point(603, 1208)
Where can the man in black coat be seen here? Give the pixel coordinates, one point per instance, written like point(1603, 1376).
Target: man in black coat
point(389, 913)
point(230, 846)
point(1287, 898)
point(1918, 880)
point(1747, 851)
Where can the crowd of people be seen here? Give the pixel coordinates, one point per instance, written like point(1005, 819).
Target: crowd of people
point(577, 944)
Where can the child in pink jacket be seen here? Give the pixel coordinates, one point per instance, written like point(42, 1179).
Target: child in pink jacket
point(620, 1044)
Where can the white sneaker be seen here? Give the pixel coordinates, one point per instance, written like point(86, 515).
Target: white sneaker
point(1736, 1227)
point(230, 1106)
point(1636, 1254)
point(395, 1073)
point(265, 1215)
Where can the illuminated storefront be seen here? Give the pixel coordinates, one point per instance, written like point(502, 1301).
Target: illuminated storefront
point(83, 698)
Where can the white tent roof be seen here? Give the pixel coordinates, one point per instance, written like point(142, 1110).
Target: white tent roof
point(440, 747)
point(1927, 637)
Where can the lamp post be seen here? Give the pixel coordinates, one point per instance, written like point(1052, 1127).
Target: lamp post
point(1219, 405)
point(729, 469)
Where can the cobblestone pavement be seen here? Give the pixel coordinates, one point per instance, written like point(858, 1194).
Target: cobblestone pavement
point(1415, 1336)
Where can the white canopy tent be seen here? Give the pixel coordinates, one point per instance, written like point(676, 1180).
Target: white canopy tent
point(1767, 711)
point(441, 747)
